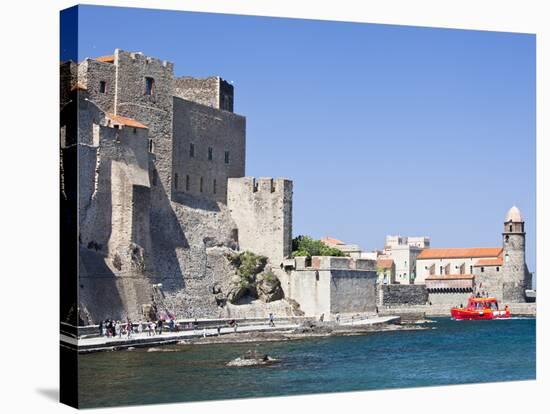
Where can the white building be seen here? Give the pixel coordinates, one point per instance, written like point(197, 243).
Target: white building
point(404, 250)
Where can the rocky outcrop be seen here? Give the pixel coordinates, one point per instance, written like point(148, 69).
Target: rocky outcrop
point(252, 280)
point(268, 287)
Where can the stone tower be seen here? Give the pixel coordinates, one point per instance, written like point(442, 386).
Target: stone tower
point(515, 274)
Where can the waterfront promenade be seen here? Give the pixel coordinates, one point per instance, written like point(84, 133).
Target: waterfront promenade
point(94, 343)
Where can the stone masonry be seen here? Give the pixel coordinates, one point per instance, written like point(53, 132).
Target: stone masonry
point(154, 227)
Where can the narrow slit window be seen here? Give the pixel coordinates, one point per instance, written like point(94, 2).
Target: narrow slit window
point(214, 186)
point(210, 153)
point(149, 86)
point(187, 183)
point(200, 185)
point(227, 157)
point(176, 181)
point(151, 146)
point(102, 87)
point(192, 150)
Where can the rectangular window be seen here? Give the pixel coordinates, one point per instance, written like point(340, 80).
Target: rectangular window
point(214, 186)
point(200, 185)
point(192, 150)
point(149, 86)
point(227, 157)
point(210, 153)
point(102, 87)
point(186, 183)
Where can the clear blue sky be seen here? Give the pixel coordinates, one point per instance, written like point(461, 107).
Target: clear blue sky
point(384, 129)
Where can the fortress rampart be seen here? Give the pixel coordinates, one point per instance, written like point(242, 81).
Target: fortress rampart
point(333, 285)
point(262, 210)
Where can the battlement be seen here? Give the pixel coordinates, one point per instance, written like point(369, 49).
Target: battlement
point(333, 263)
point(212, 91)
point(262, 185)
point(139, 57)
point(262, 210)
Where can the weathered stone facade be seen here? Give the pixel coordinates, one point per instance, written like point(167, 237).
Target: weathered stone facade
point(143, 240)
point(333, 285)
point(213, 91)
point(209, 148)
point(398, 295)
point(262, 210)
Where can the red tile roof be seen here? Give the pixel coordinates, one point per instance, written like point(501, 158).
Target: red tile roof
point(107, 59)
point(460, 253)
point(332, 241)
point(449, 277)
point(122, 120)
point(384, 263)
point(497, 261)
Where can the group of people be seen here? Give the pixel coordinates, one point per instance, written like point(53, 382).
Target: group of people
point(112, 329)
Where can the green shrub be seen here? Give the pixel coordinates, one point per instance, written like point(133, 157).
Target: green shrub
point(249, 264)
point(306, 246)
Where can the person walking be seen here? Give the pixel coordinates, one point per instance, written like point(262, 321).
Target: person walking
point(159, 324)
point(271, 322)
point(100, 328)
point(128, 328)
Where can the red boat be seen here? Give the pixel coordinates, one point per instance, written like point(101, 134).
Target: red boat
point(479, 309)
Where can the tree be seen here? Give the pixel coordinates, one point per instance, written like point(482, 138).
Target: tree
point(306, 246)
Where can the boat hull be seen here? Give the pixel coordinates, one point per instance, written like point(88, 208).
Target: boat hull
point(479, 314)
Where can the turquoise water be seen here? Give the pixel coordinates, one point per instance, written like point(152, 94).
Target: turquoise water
point(453, 353)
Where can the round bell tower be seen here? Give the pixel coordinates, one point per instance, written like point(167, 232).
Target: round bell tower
point(514, 270)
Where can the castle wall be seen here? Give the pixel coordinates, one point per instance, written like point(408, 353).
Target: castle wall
point(262, 210)
point(311, 289)
point(352, 291)
point(213, 92)
point(90, 75)
point(333, 285)
point(154, 110)
point(211, 133)
point(395, 295)
point(449, 299)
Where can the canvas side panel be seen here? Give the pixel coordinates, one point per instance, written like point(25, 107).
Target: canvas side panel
point(68, 162)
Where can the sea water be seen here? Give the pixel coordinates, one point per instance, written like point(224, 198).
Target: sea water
point(449, 352)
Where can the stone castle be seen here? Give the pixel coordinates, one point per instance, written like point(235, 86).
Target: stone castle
point(154, 194)
point(155, 203)
point(154, 166)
